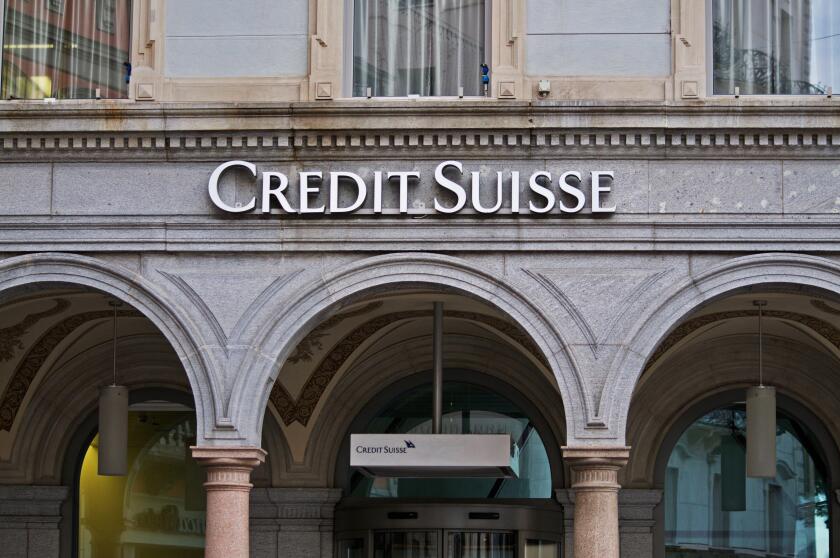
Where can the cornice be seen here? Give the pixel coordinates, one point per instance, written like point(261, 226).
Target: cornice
point(111, 130)
point(677, 233)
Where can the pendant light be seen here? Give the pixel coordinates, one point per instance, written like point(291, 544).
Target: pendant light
point(113, 420)
point(761, 417)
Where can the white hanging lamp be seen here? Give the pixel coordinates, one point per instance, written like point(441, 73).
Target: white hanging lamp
point(113, 421)
point(761, 417)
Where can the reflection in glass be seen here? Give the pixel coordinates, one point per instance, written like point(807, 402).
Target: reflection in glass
point(480, 544)
point(771, 47)
point(535, 548)
point(468, 409)
point(65, 49)
point(712, 509)
point(351, 548)
point(418, 47)
point(405, 544)
point(157, 510)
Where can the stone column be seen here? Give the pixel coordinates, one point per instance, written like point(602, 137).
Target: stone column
point(228, 489)
point(595, 484)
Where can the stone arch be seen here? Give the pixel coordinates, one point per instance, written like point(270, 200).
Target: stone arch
point(301, 312)
point(654, 324)
point(171, 319)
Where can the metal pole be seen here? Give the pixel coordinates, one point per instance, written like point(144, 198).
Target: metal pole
point(437, 386)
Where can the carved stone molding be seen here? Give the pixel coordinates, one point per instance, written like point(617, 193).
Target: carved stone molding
point(10, 337)
point(359, 129)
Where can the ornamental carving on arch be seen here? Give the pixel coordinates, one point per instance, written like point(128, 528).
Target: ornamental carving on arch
point(10, 337)
point(301, 409)
point(28, 368)
point(818, 326)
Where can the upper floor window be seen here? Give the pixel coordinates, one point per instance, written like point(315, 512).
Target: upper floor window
point(65, 49)
point(775, 47)
point(418, 47)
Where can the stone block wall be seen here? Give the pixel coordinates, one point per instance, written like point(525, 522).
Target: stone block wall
point(29, 520)
point(293, 522)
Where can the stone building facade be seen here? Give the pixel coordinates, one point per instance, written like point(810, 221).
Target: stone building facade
point(613, 321)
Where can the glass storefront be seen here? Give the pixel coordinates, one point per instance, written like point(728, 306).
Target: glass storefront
point(158, 509)
point(713, 510)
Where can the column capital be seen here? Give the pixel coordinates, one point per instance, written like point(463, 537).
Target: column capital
point(595, 468)
point(230, 456)
point(228, 468)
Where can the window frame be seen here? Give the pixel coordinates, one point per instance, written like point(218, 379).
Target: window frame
point(347, 61)
point(710, 70)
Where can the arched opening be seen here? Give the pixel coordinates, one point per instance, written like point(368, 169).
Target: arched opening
point(60, 352)
point(370, 366)
point(687, 421)
point(713, 509)
point(158, 509)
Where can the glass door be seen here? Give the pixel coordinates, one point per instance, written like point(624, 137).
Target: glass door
point(480, 544)
point(406, 544)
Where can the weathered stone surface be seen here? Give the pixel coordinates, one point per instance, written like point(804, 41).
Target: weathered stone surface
point(25, 189)
point(725, 187)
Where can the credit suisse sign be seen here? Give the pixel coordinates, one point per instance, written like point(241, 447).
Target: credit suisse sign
point(457, 189)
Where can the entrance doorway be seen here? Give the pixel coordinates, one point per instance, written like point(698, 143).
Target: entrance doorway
point(451, 530)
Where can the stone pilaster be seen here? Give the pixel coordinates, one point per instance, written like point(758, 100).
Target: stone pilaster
point(293, 522)
point(228, 489)
point(595, 484)
point(29, 520)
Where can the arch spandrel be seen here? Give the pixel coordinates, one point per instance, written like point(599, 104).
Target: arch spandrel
point(656, 322)
point(174, 321)
point(286, 321)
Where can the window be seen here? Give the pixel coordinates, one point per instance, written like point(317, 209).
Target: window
point(468, 409)
point(716, 510)
point(418, 47)
point(65, 49)
point(775, 47)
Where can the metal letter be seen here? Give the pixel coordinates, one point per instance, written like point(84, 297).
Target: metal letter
point(452, 186)
point(572, 191)
point(361, 192)
point(476, 194)
point(541, 190)
point(306, 189)
point(213, 187)
point(268, 191)
point(597, 190)
point(403, 176)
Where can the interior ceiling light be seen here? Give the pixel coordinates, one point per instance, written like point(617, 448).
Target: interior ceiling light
point(761, 417)
point(113, 420)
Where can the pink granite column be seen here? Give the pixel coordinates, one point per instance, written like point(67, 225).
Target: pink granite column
point(228, 489)
point(595, 484)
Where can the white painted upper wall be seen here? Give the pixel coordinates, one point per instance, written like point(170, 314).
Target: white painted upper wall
point(236, 38)
point(598, 38)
